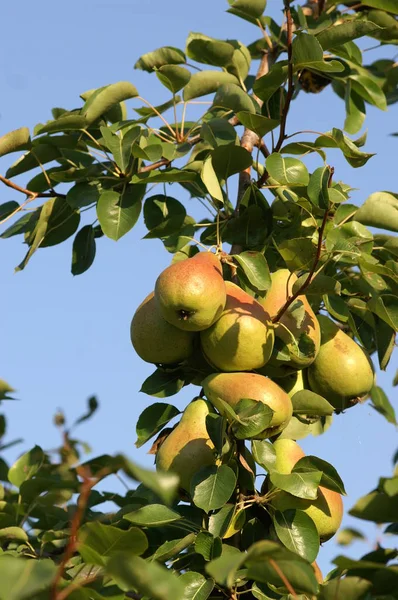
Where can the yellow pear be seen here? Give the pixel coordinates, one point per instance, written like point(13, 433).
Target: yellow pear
point(292, 330)
point(232, 387)
point(293, 382)
point(326, 511)
point(188, 448)
point(342, 372)
point(191, 293)
point(242, 338)
point(155, 340)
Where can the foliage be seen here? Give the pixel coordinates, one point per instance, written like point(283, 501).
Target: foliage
point(156, 542)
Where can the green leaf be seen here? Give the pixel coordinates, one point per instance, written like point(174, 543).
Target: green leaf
point(264, 454)
point(348, 535)
point(164, 485)
point(210, 180)
point(163, 216)
point(215, 425)
point(165, 176)
point(73, 122)
point(206, 82)
point(62, 222)
point(318, 187)
point(308, 53)
point(251, 8)
point(208, 51)
point(21, 579)
point(380, 210)
point(173, 548)
point(230, 95)
point(162, 384)
point(147, 578)
point(229, 160)
point(287, 171)
point(385, 342)
point(16, 534)
point(337, 139)
point(377, 507)
point(298, 253)
point(153, 419)
point(212, 487)
point(336, 35)
point(82, 194)
point(308, 403)
point(257, 123)
point(369, 90)
point(83, 251)
point(385, 307)
point(382, 404)
point(15, 141)
point(173, 77)
point(104, 98)
point(7, 208)
point(265, 87)
point(224, 568)
point(330, 478)
point(207, 545)
point(355, 110)
point(297, 531)
point(218, 132)
point(98, 542)
point(387, 5)
point(302, 485)
point(320, 284)
point(153, 515)
point(196, 586)
point(253, 418)
point(255, 268)
point(26, 466)
point(221, 520)
point(167, 55)
point(122, 146)
point(119, 212)
point(349, 588)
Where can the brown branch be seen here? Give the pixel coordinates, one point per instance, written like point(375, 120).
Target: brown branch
point(163, 162)
point(307, 282)
point(286, 582)
point(290, 86)
point(18, 188)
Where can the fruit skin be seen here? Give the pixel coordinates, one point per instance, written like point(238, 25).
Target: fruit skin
point(292, 383)
point(155, 340)
point(188, 448)
point(326, 511)
point(232, 387)
point(191, 293)
point(280, 290)
point(342, 372)
point(242, 339)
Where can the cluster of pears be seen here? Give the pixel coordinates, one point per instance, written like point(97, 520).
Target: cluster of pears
point(196, 318)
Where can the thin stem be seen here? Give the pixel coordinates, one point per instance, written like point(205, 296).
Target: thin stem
point(163, 162)
point(283, 577)
point(290, 87)
point(158, 114)
point(175, 117)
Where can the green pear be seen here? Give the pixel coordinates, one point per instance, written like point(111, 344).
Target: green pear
point(155, 340)
point(233, 387)
point(326, 511)
point(342, 372)
point(293, 382)
point(191, 293)
point(188, 448)
point(242, 339)
point(298, 325)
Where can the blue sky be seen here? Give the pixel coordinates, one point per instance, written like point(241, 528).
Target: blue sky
point(63, 338)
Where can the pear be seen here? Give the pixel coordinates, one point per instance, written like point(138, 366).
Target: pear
point(191, 293)
point(293, 382)
point(232, 387)
point(242, 339)
point(342, 372)
point(155, 340)
point(188, 448)
point(300, 329)
point(326, 511)
point(318, 572)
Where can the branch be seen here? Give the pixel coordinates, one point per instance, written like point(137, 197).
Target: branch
point(163, 162)
point(290, 87)
point(286, 582)
point(307, 282)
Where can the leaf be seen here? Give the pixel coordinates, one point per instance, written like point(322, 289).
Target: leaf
point(212, 487)
point(26, 466)
point(302, 485)
point(368, 89)
point(229, 160)
point(337, 139)
point(152, 420)
point(173, 548)
point(377, 507)
point(318, 187)
point(163, 216)
point(164, 485)
point(71, 122)
point(308, 403)
point(387, 5)
point(4, 390)
point(257, 123)
point(220, 521)
point(287, 171)
point(7, 208)
point(385, 341)
point(83, 251)
point(308, 53)
point(298, 253)
point(264, 454)
point(330, 478)
point(196, 586)
point(16, 534)
point(218, 132)
point(207, 545)
point(167, 55)
point(173, 77)
point(82, 194)
point(255, 268)
point(119, 212)
point(385, 307)
point(147, 578)
point(206, 82)
point(98, 542)
point(297, 531)
point(346, 536)
point(251, 8)
point(349, 588)
point(265, 87)
point(336, 35)
point(355, 110)
point(104, 98)
point(224, 568)
point(153, 515)
point(380, 210)
point(215, 425)
point(209, 51)
point(231, 96)
point(320, 284)
point(253, 418)
point(165, 176)
point(162, 384)
point(209, 178)
point(15, 141)
point(382, 404)
point(21, 579)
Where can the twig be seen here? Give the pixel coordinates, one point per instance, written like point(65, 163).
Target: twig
point(18, 188)
point(75, 586)
point(163, 162)
point(290, 87)
point(307, 282)
point(286, 582)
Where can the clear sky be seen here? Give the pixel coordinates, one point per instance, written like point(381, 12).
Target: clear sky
point(63, 338)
